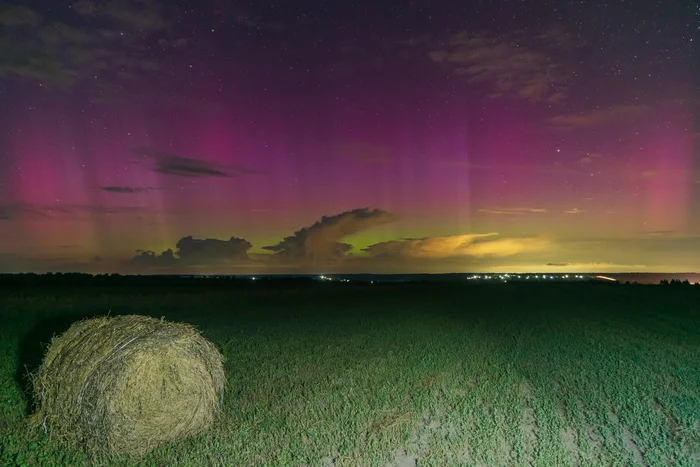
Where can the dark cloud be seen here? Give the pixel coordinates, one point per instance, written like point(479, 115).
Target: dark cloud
point(22, 211)
point(598, 117)
point(558, 265)
point(515, 65)
point(193, 251)
point(320, 243)
point(126, 189)
point(197, 252)
point(360, 151)
point(149, 258)
point(99, 43)
point(174, 164)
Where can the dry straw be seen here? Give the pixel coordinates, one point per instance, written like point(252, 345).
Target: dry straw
point(126, 384)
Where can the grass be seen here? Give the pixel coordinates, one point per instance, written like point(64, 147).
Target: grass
point(347, 375)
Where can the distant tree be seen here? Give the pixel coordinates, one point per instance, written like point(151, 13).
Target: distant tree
point(664, 282)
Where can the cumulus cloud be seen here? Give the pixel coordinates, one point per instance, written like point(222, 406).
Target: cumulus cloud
point(515, 64)
point(598, 117)
point(192, 250)
point(320, 243)
point(151, 258)
point(454, 246)
point(197, 252)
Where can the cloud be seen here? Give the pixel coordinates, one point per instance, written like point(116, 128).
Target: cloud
point(360, 151)
point(555, 169)
point(239, 15)
point(9, 212)
point(174, 164)
point(466, 245)
point(588, 159)
point(573, 211)
point(211, 250)
point(320, 243)
point(513, 211)
point(139, 15)
point(126, 189)
point(648, 174)
point(514, 64)
point(94, 43)
point(14, 211)
point(615, 114)
point(575, 267)
point(191, 251)
point(59, 210)
point(18, 15)
point(659, 233)
point(150, 258)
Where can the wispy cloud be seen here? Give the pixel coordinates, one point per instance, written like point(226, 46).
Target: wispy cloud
point(58, 211)
point(516, 65)
point(513, 211)
point(573, 211)
point(597, 117)
point(66, 51)
point(574, 267)
point(588, 159)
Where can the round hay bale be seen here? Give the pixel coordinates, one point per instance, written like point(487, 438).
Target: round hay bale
point(126, 384)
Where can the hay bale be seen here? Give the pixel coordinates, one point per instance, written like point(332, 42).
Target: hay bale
point(126, 384)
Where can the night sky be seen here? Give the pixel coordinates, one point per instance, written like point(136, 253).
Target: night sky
point(361, 136)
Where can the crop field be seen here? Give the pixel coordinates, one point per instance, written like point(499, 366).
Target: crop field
point(401, 375)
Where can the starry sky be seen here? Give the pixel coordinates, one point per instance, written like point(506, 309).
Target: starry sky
point(145, 136)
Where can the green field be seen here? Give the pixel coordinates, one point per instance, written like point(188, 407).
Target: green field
point(362, 375)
